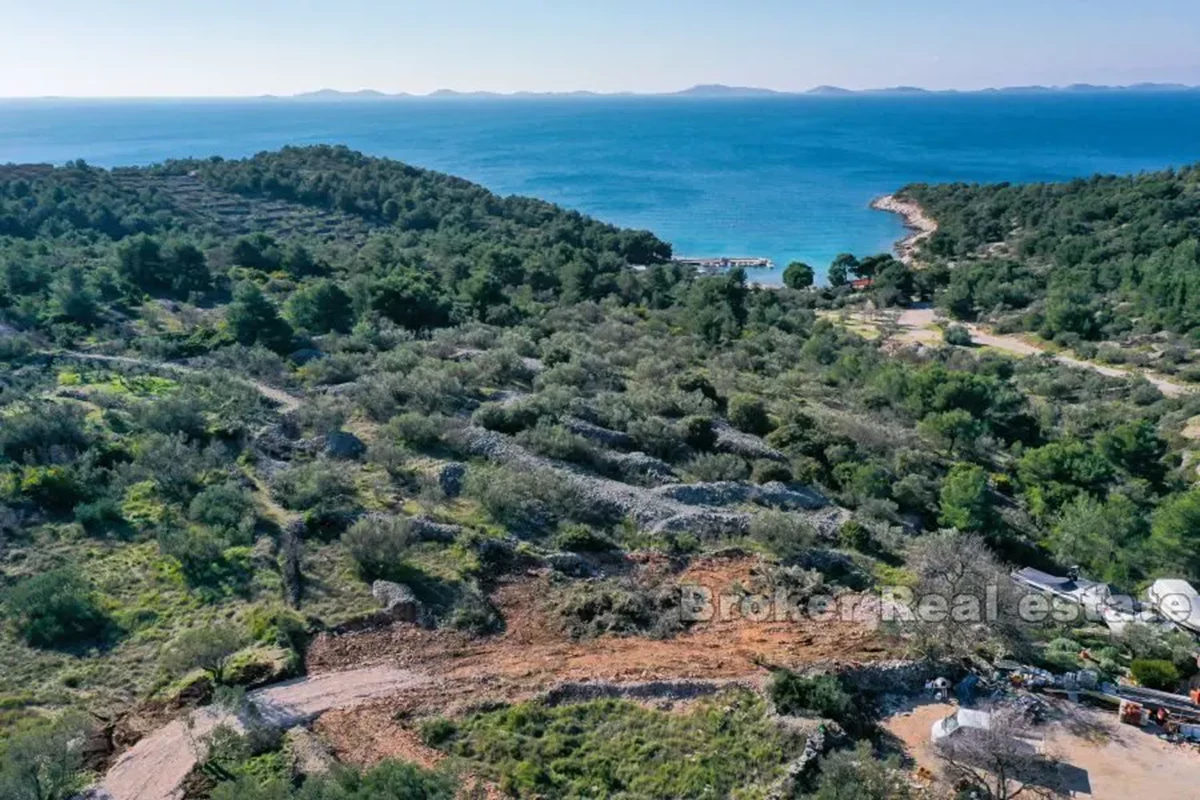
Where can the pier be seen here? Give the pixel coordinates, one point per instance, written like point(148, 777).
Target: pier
point(720, 264)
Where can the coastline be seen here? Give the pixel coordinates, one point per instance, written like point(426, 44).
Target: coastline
point(920, 225)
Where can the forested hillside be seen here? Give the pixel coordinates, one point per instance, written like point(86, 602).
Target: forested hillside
point(312, 410)
point(1091, 259)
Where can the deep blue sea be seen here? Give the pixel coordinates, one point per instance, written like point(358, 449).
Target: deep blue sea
point(785, 178)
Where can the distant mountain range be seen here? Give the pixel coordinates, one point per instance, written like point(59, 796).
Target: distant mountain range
point(717, 90)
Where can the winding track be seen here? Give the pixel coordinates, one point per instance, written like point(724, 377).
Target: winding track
point(918, 324)
point(286, 402)
point(155, 767)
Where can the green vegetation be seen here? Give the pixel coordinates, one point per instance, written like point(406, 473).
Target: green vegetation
point(1155, 674)
point(1074, 252)
point(43, 759)
point(820, 695)
point(317, 348)
point(722, 747)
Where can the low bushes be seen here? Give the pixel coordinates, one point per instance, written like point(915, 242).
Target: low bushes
point(378, 544)
point(55, 609)
point(1155, 674)
point(721, 747)
point(820, 695)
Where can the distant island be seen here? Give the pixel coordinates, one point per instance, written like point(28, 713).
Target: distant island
point(719, 90)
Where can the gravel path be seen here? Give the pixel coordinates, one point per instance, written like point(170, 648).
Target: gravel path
point(155, 767)
point(918, 322)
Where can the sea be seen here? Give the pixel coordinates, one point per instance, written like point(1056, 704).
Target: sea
point(785, 178)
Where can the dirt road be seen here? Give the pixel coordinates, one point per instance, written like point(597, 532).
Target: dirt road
point(920, 325)
point(1102, 759)
point(154, 768)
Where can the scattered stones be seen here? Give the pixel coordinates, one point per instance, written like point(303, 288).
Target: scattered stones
point(667, 509)
point(731, 440)
point(608, 438)
point(310, 755)
point(341, 444)
point(644, 469)
point(727, 493)
point(273, 442)
point(450, 478)
point(428, 530)
point(398, 600)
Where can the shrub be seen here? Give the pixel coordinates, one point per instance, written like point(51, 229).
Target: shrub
point(748, 414)
point(718, 467)
point(210, 649)
point(323, 488)
point(859, 774)
point(657, 437)
point(1155, 674)
point(55, 609)
point(957, 335)
point(821, 695)
point(179, 413)
point(508, 419)
point(419, 431)
point(855, 536)
point(390, 780)
point(54, 488)
point(279, 626)
point(438, 731)
point(582, 539)
point(555, 441)
point(378, 544)
point(529, 503)
point(698, 432)
point(99, 516)
point(228, 509)
point(42, 759)
point(786, 535)
point(32, 436)
point(767, 471)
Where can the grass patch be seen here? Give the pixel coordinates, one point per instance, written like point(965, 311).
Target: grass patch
point(724, 746)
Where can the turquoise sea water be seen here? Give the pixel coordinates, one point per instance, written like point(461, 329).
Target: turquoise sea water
point(785, 178)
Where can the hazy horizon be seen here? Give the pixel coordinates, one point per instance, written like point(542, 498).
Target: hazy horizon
point(225, 49)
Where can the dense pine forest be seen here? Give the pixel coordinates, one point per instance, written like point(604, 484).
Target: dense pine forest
point(1092, 259)
point(238, 397)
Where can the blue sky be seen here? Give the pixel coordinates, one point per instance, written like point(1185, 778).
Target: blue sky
point(247, 47)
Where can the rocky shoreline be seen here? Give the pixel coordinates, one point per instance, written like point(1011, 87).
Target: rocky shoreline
point(918, 222)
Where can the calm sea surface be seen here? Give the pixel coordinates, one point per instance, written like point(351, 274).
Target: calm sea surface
point(784, 178)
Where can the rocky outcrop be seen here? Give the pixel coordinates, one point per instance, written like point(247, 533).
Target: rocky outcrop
point(678, 508)
point(343, 445)
point(605, 436)
point(428, 530)
point(310, 755)
point(398, 601)
point(642, 469)
point(731, 440)
point(450, 478)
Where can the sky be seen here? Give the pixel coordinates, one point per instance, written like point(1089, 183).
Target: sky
point(224, 48)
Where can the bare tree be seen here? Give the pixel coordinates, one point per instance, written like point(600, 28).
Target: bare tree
point(1002, 762)
point(963, 598)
